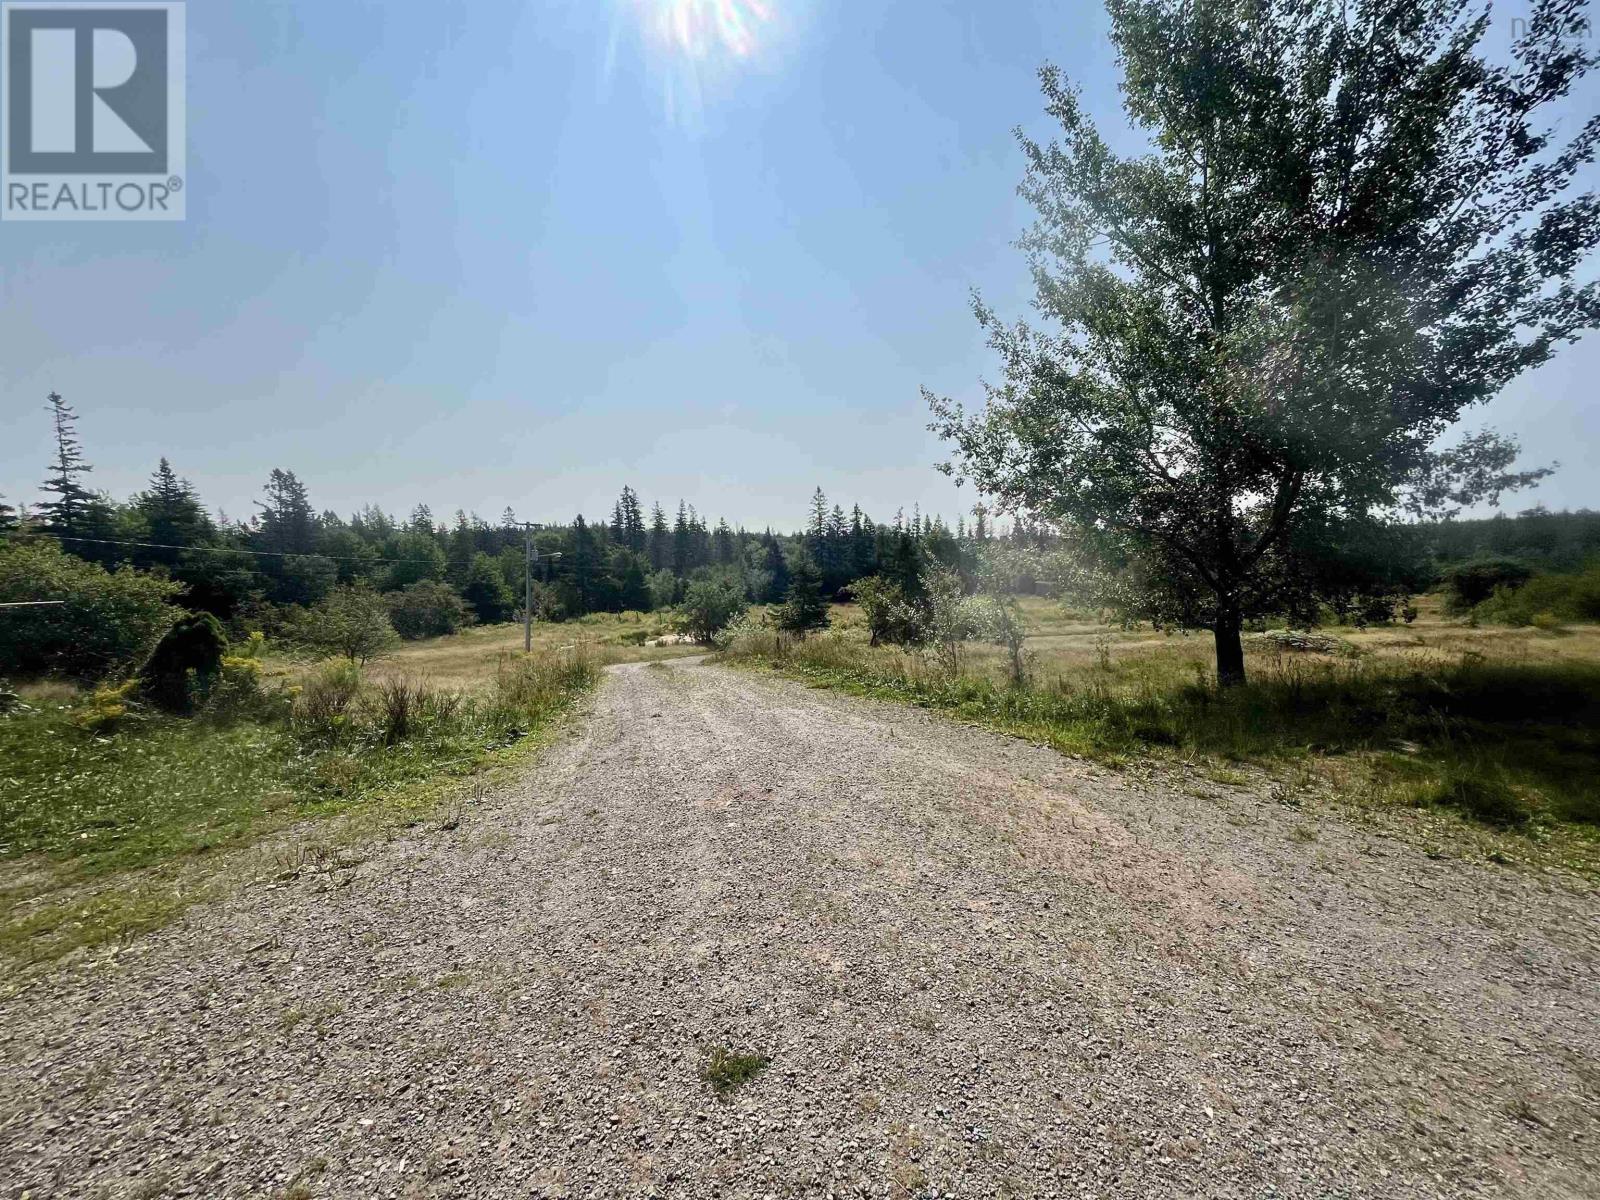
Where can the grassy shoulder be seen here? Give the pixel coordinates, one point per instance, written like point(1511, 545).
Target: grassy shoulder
point(1493, 742)
point(112, 823)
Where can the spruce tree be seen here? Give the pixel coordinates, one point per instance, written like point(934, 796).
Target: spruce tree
point(803, 609)
point(72, 513)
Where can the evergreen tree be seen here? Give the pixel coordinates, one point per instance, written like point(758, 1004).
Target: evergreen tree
point(169, 513)
point(75, 511)
point(8, 516)
point(660, 540)
point(775, 566)
point(633, 532)
point(422, 520)
point(682, 543)
point(723, 549)
point(288, 522)
point(633, 587)
point(486, 591)
point(803, 609)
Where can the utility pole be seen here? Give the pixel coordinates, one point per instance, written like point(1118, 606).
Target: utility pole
point(530, 559)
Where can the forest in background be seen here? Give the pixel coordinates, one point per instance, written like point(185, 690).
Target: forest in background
point(257, 573)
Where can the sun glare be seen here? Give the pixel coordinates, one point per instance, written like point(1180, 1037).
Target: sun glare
point(705, 31)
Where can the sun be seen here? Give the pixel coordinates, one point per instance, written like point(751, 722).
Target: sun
point(708, 31)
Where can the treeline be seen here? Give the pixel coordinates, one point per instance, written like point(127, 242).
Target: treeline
point(289, 556)
point(1544, 540)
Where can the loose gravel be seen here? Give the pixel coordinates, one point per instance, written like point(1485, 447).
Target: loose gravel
point(977, 969)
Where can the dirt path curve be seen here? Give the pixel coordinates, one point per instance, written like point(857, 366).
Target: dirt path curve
point(979, 969)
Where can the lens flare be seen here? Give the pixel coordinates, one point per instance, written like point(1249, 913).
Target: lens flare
point(708, 30)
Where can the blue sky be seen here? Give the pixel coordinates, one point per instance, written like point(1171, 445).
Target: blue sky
point(481, 253)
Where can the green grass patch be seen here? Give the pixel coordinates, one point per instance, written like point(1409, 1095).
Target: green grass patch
point(1507, 744)
point(724, 1071)
point(103, 829)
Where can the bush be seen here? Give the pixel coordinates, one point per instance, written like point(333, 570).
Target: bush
point(107, 620)
point(428, 608)
point(107, 708)
point(709, 606)
point(1546, 601)
point(353, 622)
point(890, 616)
point(325, 709)
point(184, 664)
point(1469, 584)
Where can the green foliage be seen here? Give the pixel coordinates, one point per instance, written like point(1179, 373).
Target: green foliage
point(1469, 584)
point(663, 587)
point(184, 664)
point(354, 622)
point(709, 605)
point(724, 1071)
point(107, 621)
point(1532, 730)
point(427, 608)
point(891, 617)
point(486, 591)
point(804, 610)
point(1262, 325)
point(1546, 601)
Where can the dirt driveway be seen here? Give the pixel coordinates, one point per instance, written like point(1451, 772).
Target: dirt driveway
point(978, 969)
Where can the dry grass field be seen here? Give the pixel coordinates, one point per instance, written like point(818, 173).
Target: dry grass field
point(471, 659)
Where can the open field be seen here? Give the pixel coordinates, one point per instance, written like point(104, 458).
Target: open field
point(471, 658)
point(1436, 720)
point(741, 938)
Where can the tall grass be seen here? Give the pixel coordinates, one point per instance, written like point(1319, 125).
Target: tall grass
point(1507, 742)
point(160, 788)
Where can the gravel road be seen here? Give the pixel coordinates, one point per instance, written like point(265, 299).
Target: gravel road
point(978, 969)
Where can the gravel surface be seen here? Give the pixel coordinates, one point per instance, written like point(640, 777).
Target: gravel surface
point(978, 969)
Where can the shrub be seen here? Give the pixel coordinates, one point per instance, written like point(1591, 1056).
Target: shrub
point(325, 709)
point(184, 664)
point(427, 608)
point(353, 622)
point(1546, 601)
point(107, 708)
point(890, 616)
point(106, 621)
point(1469, 584)
point(709, 606)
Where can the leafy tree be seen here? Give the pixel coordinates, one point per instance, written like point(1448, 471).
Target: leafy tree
point(107, 620)
point(664, 589)
point(486, 591)
point(427, 608)
point(1469, 584)
point(185, 662)
point(1351, 227)
point(353, 622)
point(891, 617)
point(412, 557)
point(804, 609)
point(710, 604)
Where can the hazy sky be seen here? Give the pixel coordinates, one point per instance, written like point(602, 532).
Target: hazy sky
point(491, 252)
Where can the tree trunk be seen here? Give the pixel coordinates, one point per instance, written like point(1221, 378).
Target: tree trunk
point(1230, 649)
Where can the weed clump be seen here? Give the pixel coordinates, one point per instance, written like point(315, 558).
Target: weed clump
point(723, 1071)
